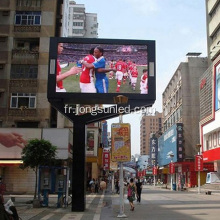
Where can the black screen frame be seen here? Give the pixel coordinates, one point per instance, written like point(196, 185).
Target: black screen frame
point(104, 98)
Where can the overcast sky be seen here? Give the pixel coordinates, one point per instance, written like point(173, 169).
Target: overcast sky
point(177, 26)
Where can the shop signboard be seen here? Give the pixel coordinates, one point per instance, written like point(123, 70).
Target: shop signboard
point(198, 163)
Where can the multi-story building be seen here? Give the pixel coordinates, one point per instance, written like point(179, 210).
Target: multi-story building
point(210, 89)
point(25, 31)
point(181, 118)
point(149, 124)
point(80, 23)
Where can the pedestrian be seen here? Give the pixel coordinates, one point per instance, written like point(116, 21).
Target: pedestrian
point(96, 186)
point(92, 185)
point(103, 185)
point(139, 186)
point(132, 191)
point(117, 186)
point(2, 189)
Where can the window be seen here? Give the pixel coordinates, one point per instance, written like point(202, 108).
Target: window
point(215, 139)
point(24, 71)
point(23, 100)
point(210, 141)
point(77, 23)
point(78, 31)
point(207, 145)
point(219, 138)
point(28, 18)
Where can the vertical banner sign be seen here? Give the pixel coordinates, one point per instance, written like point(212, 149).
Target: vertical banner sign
point(105, 134)
point(180, 154)
point(153, 151)
point(199, 163)
point(121, 142)
point(172, 168)
point(106, 160)
point(154, 170)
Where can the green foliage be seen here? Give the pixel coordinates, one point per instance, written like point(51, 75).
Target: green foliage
point(38, 153)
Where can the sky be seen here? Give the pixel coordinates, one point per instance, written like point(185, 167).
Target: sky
point(177, 26)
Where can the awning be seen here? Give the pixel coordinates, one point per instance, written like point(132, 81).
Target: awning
point(10, 162)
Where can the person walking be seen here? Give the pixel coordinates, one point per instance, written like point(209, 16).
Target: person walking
point(139, 189)
point(132, 190)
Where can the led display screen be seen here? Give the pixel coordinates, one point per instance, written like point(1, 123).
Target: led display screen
point(96, 70)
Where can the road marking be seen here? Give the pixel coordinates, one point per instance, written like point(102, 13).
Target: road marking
point(99, 207)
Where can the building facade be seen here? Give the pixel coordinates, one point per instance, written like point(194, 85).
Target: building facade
point(181, 114)
point(149, 124)
point(25, 31)
point(80, 23)
point(210, 90)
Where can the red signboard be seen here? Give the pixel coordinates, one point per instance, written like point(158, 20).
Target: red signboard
point(172, 168)
point(154, 170)
point(199, 163)
point(106, 160)
point(211, 155)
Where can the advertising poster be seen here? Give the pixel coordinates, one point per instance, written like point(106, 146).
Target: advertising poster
point(121, 142)
point(12, 140)
point(90, 141)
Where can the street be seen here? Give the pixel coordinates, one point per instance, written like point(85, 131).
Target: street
point(156, 204)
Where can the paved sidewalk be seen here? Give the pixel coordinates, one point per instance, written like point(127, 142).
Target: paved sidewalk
point(156, 204)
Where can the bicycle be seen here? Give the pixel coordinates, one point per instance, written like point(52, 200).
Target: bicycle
point(69, 200)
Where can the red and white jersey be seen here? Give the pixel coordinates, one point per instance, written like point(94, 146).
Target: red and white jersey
point(120, 66)
point(87, 74)
point(125, 66)
point(60, 83)
point(143, 78)
point(112, 65)
point(134, 73)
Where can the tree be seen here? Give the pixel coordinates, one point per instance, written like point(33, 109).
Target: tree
point(38, 153)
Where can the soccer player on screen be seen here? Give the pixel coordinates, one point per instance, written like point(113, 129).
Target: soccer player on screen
point(60, 77)
point(144, 82)
point(120, 68)
point(101, 83)
point(134, 75)
point(87, 75)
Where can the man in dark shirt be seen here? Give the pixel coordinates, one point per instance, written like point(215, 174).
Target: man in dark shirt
point(139, 189)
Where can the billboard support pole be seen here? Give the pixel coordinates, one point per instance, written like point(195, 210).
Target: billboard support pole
point(78, 167)
point(121, 213)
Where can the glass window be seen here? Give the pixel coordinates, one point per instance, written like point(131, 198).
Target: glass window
point(28, 18)
point(210, 141)
point(14, 102)
point(219, 138)
point(23, 100)
point(24, 71)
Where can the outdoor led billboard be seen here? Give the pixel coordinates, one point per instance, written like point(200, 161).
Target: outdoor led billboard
point(108, 67)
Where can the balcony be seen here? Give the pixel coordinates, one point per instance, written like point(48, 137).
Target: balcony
point(22, 112)
point(23, 85)
point(5, 5)
point(27, 28)
point(24, 56)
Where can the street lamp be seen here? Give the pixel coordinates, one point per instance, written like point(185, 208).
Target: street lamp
point(171, 169)
point(199, 165)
